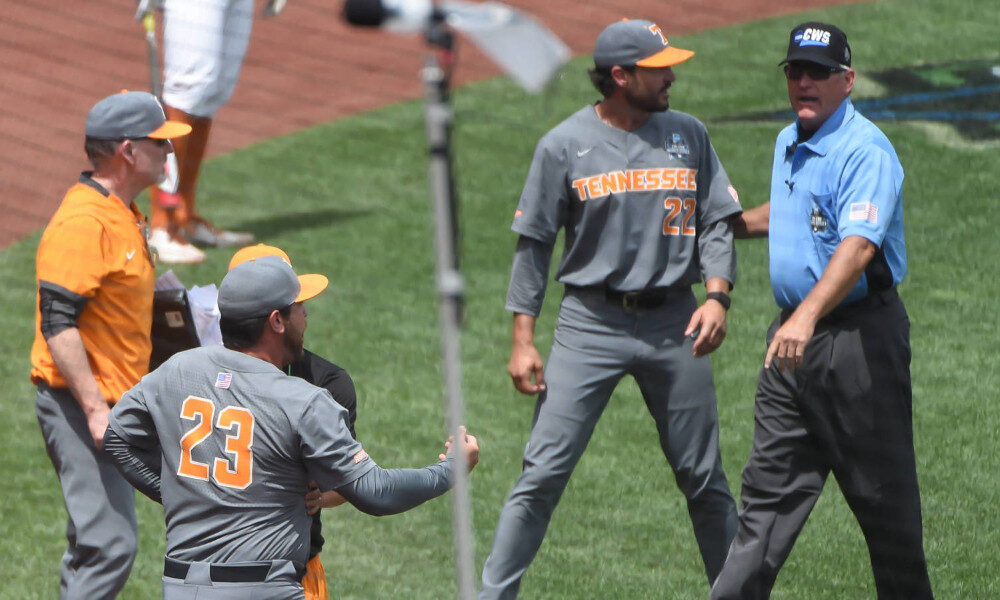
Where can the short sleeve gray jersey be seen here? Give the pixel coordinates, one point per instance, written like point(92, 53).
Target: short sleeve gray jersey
point(240, 441)
point(632, 202)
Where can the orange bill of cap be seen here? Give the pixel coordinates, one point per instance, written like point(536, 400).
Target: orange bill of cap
point(170, 130)
point(256, 251)
point(667, 57)
point(312, 285)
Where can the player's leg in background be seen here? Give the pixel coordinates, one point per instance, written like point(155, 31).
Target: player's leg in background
point(233, 36)
point(192, 52)
point(204, 45)
point(871, 424)
point(235, 39)
point(782, 480)
point(100, 504)
point(679, 392)
point(578, 384)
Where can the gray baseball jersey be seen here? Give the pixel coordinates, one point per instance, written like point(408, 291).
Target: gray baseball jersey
point(642, 209)
point(632, 202)
point(240, 441)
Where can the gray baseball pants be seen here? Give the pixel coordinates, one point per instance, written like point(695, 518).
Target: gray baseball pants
point(101, 526)
point(846, 410)
point(596, 344)
point(281, 583)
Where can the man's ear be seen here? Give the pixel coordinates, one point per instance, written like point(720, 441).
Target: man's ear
point(127, 149)
point(276, 322)
point(849, 76)
point(620, 76)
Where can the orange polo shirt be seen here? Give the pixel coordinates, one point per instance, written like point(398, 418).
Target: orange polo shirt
point(95, 247)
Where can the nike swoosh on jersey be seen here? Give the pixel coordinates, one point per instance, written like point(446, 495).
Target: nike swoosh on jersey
point(129, 255)
point(581, 153)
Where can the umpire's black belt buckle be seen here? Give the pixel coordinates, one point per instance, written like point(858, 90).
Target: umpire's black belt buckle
point(218, 572)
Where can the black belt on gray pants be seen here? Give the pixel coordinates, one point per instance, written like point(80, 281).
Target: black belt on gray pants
point(638, 299)
point(219, 572)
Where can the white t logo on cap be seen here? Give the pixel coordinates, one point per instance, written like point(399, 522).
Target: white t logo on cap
point(656, 30)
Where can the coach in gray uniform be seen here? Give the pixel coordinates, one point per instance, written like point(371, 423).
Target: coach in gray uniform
point(240, 441)
point(646, 208)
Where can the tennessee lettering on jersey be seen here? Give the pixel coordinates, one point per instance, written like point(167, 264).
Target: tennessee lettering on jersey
point(635, 180)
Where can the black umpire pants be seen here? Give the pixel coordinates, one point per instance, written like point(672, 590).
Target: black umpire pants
point(848, 410)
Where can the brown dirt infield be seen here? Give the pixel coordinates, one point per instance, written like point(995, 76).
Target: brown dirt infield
point(303, 67)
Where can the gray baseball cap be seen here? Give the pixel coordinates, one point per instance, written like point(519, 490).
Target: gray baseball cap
point(636, 42)
point(263, 284)
point(132, 115)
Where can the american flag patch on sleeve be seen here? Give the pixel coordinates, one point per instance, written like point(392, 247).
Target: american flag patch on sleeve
point(360, 456)
point(864, 211)
point(223, 380)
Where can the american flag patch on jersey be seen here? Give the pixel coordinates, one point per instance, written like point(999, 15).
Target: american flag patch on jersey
point(223, 380)
point(360, 456)
point(864, 211)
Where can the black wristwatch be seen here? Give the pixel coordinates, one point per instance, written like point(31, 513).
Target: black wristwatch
point(720, 297)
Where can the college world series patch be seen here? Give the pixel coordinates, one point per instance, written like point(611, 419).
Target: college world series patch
point(677, 148)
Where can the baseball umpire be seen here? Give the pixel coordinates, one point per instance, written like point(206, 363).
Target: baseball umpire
point(94, 313)
point(834, 392)
point(240, 441)
point(646, 206)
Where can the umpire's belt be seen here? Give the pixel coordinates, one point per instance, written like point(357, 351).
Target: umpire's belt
point(223, 573)
point(640, 299)
point(869, 302)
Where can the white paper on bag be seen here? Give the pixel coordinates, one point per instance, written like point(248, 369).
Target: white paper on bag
point(204, 302)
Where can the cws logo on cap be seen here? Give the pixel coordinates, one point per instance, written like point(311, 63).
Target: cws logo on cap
point(812, 37)
point(819, 43)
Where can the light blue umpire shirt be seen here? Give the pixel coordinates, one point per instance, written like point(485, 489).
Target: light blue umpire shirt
point(845, 180)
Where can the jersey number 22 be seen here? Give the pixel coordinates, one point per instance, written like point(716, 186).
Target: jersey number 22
point(674, 207)
point(238, 443)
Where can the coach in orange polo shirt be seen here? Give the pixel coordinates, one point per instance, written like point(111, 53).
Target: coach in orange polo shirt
point(92, 332)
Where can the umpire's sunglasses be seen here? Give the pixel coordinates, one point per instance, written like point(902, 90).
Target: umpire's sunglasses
point(815, 71)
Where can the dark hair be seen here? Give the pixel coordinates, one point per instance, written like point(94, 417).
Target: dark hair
point(603, 81)
point(99, 150)
point(240, 334)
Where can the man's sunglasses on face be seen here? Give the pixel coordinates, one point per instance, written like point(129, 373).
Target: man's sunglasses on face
point(816, 72)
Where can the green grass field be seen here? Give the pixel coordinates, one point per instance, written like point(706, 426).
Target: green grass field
point(349, 199)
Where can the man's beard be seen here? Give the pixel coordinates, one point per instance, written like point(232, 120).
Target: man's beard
point(647, 104)
point(293, 348)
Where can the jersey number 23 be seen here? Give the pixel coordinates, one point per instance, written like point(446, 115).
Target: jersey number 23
point(238, 423)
